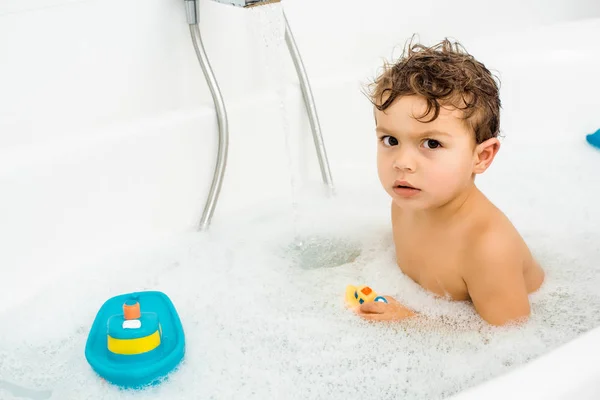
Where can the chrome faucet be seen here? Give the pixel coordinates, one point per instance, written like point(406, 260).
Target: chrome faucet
point(192, 20)
point(247, 3)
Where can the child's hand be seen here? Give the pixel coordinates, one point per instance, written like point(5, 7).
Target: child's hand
point(379, 311)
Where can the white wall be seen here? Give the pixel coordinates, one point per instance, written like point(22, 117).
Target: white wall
point(73, 64)
point(107, 127)
point(354, 31)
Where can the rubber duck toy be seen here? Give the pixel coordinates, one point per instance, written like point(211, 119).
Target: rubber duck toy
point(357, 295)
point(136, 339)
point(594, 139)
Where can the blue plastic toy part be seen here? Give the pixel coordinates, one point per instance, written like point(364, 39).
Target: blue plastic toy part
point(594, 139)
point(380, 299)
point(139, 347)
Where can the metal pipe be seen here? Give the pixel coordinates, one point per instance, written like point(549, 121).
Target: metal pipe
point(217, 182)
point(215, 188)
point(309, 102)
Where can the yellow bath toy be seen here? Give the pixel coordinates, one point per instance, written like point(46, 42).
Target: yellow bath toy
point(356, 295)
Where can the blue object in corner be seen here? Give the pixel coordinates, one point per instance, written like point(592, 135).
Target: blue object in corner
point(138, 348)
point(594, 139)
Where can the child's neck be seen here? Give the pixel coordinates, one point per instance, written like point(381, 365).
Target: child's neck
point(452, 211)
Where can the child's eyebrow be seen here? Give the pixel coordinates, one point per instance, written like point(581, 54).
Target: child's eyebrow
point(431, 132)
point(383, 130)
point(435, 132)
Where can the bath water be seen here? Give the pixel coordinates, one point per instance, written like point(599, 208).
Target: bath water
point(261, 323)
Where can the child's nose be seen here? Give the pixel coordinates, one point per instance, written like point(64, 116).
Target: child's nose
point(405, 160)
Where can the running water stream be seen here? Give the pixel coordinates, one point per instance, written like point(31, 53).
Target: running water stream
point(311, 251)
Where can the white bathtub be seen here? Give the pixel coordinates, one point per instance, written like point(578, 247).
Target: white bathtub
point(108, 133)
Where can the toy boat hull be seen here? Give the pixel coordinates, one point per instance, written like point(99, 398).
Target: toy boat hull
point(142, 370)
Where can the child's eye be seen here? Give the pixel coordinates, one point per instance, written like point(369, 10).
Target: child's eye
point(432, 144)
point(389, 141)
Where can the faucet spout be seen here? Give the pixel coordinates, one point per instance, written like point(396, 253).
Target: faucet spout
point(248, 3)
point(190, 12)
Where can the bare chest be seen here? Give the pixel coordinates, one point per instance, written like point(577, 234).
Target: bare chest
point(434, 260)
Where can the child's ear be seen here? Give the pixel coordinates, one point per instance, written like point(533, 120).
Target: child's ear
point(484, 154)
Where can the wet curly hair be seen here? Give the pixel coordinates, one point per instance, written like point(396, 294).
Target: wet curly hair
point(444, 75)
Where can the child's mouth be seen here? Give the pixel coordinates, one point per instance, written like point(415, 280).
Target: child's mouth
point(404, 185)
point(405, 189)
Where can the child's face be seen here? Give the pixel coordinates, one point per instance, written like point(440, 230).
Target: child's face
point(438, 159)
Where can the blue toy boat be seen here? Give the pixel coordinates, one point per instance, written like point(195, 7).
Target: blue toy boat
point(136, 339)
point(594, 139)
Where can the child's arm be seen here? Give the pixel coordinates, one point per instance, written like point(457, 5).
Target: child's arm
point(495, 281)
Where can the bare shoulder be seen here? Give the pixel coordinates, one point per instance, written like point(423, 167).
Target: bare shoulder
point(495, 238)
point(495, 272)
point(496, 245)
